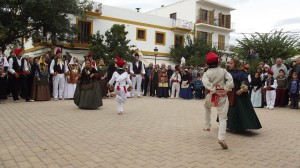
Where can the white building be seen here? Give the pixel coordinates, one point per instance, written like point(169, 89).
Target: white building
point(162, 28)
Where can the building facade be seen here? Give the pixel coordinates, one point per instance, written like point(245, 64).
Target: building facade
point(161, 28)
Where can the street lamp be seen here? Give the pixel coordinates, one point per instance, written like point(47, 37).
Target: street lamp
point(155, 54)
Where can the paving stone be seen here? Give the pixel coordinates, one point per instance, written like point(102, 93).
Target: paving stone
point(153, 132)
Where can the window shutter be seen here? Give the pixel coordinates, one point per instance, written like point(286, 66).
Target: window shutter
point(221, 42)
point(228, 21)
point(211, 17)
point(209, 39)
point(201, 16)
point(220, 19)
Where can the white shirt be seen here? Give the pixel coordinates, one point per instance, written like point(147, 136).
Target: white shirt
point(120, 80)
point(176, 77)
point(11, 61)
point(3, 62)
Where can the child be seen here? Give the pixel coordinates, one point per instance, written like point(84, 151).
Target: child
point(198, 87)
point(176, 79)
point(270, 86)
point(256, 96)
point(121, 77)
point(281, 93)
point(294, 91)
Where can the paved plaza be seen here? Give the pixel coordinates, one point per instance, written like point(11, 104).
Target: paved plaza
point(153, 132)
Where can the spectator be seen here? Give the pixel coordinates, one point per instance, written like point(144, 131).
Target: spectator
point(276, 67)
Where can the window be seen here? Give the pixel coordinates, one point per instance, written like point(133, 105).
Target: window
point(160, 38)
point(225, 20)
point(141, 34)
point(221, 42)
point(84, 31)
point(203, 15)
point(205, 36)
point(173, 16)
point(179, 40)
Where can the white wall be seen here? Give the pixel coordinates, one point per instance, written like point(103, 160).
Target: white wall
point(185, 10)
point(103, 25)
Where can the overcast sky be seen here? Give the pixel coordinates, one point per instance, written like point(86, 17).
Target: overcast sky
point(250, 15)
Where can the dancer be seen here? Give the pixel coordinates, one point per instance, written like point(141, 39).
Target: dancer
point(121, 77)
point(218, 82)
point(241, 114)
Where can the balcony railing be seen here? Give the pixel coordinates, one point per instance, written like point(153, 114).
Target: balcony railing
point(183, 24)
point(221, 46)
point(216, 23)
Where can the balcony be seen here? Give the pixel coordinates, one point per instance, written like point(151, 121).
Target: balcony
point(215, 25)
point(182, 25)
point(96, 10)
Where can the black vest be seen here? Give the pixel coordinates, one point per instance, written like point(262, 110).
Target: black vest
point(16, 65)
point(270, 82)
point(137, 70)
point(57, 68)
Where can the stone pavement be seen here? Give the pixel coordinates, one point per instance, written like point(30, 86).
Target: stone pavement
point(152, 133)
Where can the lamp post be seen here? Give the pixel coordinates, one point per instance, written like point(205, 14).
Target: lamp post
point(155, 54)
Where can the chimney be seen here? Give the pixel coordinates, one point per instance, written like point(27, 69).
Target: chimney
point(138, 9)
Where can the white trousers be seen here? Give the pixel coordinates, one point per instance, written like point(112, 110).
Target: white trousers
point(270, 98)
point(222, 109)
point(136, 81)
point(175, 87)
point(58, 86)
point(121, 98)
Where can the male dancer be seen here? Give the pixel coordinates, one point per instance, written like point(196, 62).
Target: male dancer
point(218, 82)
point(137, 71)
point(57, 69)
point(3, 76)
point(120, 78)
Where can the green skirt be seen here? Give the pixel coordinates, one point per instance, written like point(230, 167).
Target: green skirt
point(242, 116)
point(88, 98)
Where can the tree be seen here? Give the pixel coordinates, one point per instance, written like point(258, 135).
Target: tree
point(117, 43)
point(22, 19)
point(194, 51)
point(267, 46)
point(98, 48)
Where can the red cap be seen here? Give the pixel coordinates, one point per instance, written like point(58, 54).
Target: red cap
point(90, 55)
point(212, 58)
point(246, 66)
point(17, 51)
point(270, 72)
point(120, 62)
point(58, 51)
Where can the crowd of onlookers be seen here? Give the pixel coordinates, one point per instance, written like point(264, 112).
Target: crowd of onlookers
point(40, 78)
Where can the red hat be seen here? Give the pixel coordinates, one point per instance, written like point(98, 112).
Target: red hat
point(270, 72)
point(58, 51)
point(17, 51)
point(90, 55)
point(246, 66)
point(212, 58)
point(120, 62)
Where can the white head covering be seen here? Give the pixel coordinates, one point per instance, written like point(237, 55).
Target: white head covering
point(72, 61)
